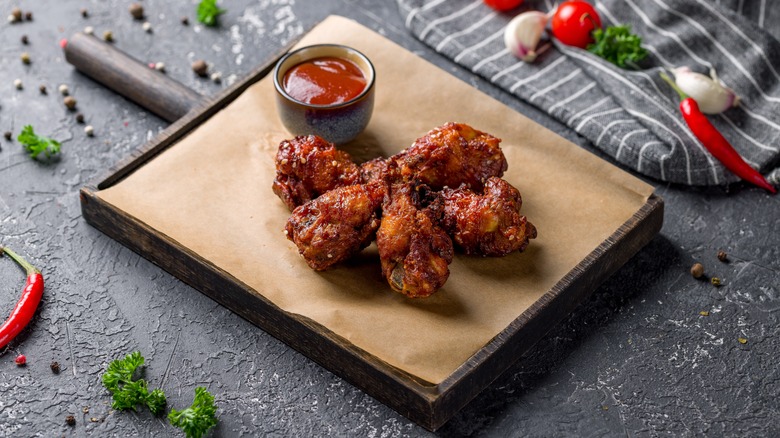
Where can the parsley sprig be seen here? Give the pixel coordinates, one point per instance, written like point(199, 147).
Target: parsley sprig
point(197, 419)
point(129, 393)
point(37, 144)
point(617, 45)
point(208, 12)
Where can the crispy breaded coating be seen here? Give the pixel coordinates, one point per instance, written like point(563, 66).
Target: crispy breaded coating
point(308, 166)
point(489, 224)
point(336, 225)
point(451, 155)
point(415, 252)
point(379, 169)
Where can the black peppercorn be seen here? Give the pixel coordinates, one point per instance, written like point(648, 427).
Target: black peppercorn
point(137, 11)
point(79, 118)
point(200, 68)
point(70, 420)
point(42, 89)
point(722, 256)
point(185, 21)
point(84, 12)
point(8, 135)
point(28, 16)
point(25, 40)
point(55, 367)
point(69, 102)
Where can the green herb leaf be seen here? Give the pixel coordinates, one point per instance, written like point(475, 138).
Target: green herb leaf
point(36, 145)
point(617, 45)
point(121, 371)
point(196, 420)
point(129, 393)
point(156, 401)
point(208, 11)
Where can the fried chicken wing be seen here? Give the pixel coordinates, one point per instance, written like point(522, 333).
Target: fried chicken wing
point(308, 166)
point(415, 252)
point(488, 224)
point(336, 225)
point(408, 202)
point(451, 155)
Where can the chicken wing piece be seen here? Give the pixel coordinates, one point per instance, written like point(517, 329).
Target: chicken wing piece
point(451, 155)
point(414, 250)
point(489, 224)
point(308, 166)
point(336, 225)
point(379, 169)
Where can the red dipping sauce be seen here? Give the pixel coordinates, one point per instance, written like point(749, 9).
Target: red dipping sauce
point(324, 81)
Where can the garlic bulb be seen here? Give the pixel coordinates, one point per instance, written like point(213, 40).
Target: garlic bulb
point(523, 33)
point(710, 93)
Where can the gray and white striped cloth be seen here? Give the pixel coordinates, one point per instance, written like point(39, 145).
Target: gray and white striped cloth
point(632, 115)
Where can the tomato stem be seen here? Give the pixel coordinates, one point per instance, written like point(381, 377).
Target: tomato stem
point(587, 16)
point(20, 260)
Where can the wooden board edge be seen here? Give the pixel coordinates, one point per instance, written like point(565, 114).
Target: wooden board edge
point(487, 364)
point(406, 394)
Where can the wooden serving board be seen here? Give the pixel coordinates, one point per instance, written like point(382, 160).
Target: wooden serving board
point(429, 401)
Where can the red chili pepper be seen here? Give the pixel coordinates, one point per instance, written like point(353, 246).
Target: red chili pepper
point(715, 142)
point(28, 303)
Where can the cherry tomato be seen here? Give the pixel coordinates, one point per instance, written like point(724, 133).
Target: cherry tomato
point(573, 23)
point(503, 5)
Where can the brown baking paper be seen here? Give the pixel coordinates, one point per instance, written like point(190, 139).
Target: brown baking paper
point(212, 193)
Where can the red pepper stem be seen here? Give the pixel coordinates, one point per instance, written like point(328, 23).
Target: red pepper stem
point(674, 86)
point(21, 261)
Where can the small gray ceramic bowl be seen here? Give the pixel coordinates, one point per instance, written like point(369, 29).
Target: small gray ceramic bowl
point(336, 123)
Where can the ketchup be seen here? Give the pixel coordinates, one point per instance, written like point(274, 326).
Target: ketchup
point(324, 81)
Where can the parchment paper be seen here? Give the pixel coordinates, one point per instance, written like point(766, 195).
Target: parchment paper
point(212, 193)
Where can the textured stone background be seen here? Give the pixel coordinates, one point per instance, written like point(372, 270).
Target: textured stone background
point(635, 359)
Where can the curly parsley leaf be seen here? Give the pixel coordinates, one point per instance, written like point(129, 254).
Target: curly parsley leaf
point(196, 420)
point(208, 12)
point(36, 145)
point(129, 393)
point(156, 402)
point(617, 45)
point(121, 371)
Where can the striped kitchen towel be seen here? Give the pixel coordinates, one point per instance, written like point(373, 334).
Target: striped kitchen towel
point(632, 115)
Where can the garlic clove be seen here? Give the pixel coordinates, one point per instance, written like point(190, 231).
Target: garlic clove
point(523, 33)
point(715, 78)
point(709, 92)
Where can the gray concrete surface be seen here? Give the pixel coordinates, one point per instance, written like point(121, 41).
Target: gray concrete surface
point(637, 359)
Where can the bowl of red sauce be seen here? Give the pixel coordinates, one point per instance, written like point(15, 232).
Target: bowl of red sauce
point(325, 90)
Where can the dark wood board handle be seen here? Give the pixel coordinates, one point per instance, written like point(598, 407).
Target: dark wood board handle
point(132, 79)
